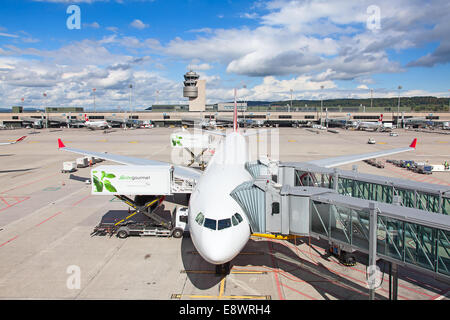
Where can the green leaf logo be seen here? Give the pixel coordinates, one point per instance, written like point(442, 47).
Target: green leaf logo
point(98, 184)
point(102, 182)
point(109, 186)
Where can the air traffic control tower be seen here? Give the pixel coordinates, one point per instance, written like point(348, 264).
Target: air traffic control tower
point(195, 90)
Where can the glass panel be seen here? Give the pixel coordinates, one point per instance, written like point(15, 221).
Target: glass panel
point(390, 237)
point(340, 223)
point(444, 252)
point(446, 206)
point(234, 220)
point(407, 197)
point(360, 229)
point(320, 216)
point(223, 224)
point(210, 224)
point(420, 245)
point(238, 217)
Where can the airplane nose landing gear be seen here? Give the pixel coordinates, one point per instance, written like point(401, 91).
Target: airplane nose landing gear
point(223, 269)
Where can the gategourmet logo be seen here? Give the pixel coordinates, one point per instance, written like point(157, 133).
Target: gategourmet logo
point(122, 177)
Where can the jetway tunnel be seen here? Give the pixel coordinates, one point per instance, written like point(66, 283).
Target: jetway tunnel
point(403, 235)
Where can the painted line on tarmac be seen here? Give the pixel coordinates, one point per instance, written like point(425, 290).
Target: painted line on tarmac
point(79, 201)
point(12, 239)
point(58, 213)
point(30, 183)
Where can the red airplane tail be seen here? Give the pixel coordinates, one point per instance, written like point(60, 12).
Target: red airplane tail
point(380, 119)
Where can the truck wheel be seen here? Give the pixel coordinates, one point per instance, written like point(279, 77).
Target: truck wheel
point(177, 233)
point(122, 234)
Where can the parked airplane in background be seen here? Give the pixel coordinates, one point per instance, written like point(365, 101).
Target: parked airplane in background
point(18, 140)
point(219, 227)
point(364, 125)
point(96, 124)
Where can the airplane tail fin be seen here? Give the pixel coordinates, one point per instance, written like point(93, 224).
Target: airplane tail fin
point(380, 119)
point(413, 144)
point(60, 144)
point(86, 117)
point(235, 125)
point(20, 139)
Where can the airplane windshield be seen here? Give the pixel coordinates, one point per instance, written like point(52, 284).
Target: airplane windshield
point(199, 218)
point(224, 223)
point(238, 217)
point(210, 224)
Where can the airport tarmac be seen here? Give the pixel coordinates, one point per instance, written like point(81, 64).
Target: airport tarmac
point(46, 218)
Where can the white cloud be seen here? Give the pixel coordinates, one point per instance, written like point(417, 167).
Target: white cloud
point(138, 24)
point(94, 25)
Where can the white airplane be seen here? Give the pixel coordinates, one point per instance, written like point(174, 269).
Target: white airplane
point(18, 140)
point(370, 125)
point(218, 226)
point(96, 124)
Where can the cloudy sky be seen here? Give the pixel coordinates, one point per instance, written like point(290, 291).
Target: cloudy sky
point(263, 48)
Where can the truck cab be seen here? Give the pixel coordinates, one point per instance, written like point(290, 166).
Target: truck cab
point(180, 222)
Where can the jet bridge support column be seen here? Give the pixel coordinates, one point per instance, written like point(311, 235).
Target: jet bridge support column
point(335, 179)
point(372, 268)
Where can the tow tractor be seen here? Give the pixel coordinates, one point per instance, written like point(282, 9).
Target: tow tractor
point(154, 226)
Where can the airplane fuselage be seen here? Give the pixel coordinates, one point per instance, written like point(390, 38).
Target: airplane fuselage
point(216, 231)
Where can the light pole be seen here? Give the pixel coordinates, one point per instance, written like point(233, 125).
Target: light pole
point(93, 90)
point(398, 105)
point(291, 102)
point(371, 99)
point(46, 110)
point(321, 104)
point(131, 112)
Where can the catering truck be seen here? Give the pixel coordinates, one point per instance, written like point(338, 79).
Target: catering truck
point(143, 189)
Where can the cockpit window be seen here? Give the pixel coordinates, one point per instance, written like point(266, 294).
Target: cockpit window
point(234, 220)
point(238, 216)
point(224, 223)
point(199, 218)
point(210, 224)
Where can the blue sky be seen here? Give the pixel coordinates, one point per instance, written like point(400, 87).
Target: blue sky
point(270, 47)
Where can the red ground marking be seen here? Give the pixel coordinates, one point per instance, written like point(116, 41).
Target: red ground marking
point(443, 293)
point(79, 201)
point(48, 218)
point(10, 205)
point(3, 199)
point(29, 183)
point(354, 279)
point(280, 295)
point(1, 245)
point(303, 294)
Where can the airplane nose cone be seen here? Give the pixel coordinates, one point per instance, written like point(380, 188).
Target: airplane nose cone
point(214, 256)
point(221, 248)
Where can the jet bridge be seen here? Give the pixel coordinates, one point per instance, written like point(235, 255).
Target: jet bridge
point(395, 220)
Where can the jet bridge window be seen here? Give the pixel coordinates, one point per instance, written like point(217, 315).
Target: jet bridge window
point(223, 224)
point(199, 218)
point(210, 224)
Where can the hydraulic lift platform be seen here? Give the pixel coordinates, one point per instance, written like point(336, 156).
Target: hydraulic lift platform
point(154, 226)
